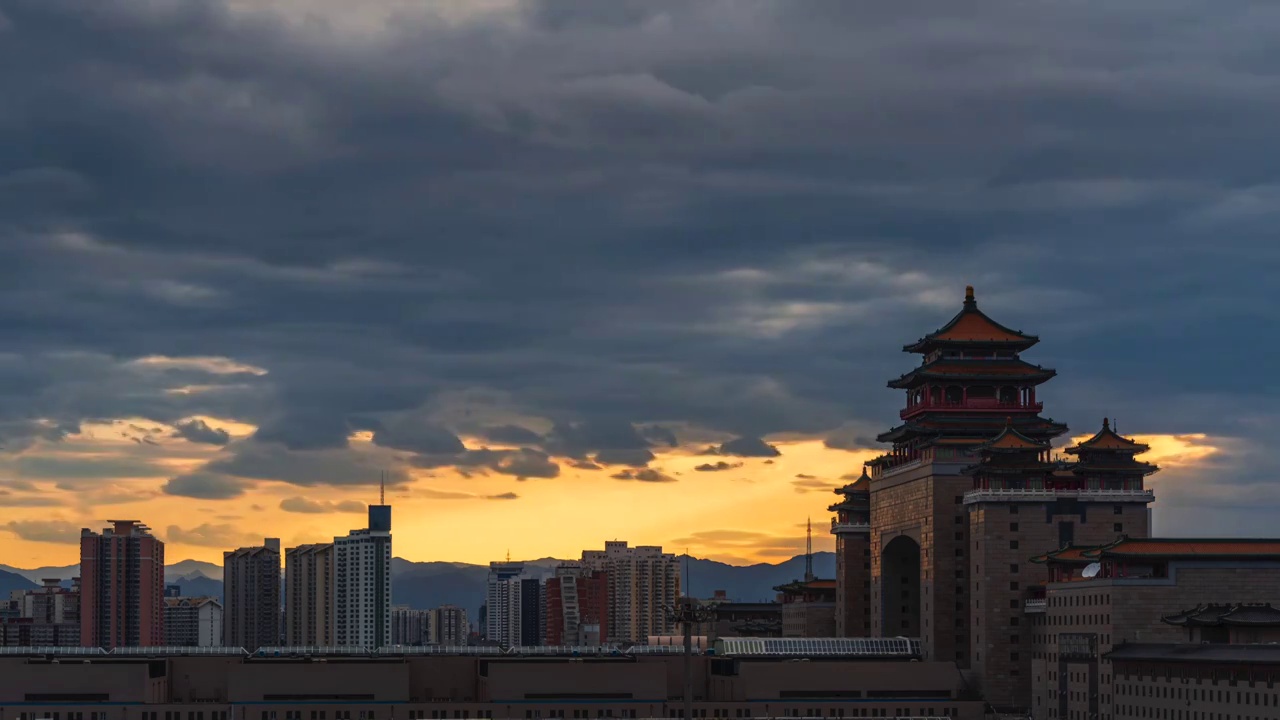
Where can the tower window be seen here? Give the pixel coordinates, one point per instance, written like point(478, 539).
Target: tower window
point(1013, 544)
point(1118, 527)
point(1013, 527)
point(1118, 509)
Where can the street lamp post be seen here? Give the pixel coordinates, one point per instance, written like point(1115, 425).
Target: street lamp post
point(687, 613)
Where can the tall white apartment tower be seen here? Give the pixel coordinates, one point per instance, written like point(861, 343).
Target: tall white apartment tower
point(642, 580)
point(502, 602)
point(362, 583)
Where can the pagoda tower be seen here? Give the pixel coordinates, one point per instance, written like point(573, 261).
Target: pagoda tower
point(852, 528)
point(1106, 462)
point(971, 382)
point(970, 385)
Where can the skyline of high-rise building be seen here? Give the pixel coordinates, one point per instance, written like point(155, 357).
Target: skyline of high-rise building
point(577, 606)
point(449, 626)
point(362, 583)
point(502, 602)
point(192, 622)
point(251, 596)
point(643, 581)
point(410, 626)
point(121, 586)
point(47, 615)
point(308, 593)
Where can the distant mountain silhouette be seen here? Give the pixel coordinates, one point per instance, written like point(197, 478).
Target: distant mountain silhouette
point(172, 573)
point(197, 585)
point(37, 575)
point(10, 581)
point(426, 585)
point(187, 568)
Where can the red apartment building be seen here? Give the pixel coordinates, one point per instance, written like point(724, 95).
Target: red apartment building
point(121, 587)
point(577, 607)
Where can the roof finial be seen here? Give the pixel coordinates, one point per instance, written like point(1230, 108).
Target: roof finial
point(968, 294)
point(1106, 424)
point(1008, 421)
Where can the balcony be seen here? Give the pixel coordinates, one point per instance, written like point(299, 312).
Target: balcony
point(969, 405)
point(838, 527)
point(1040, 495)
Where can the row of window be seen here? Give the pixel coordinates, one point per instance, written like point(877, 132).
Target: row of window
point(1240, 697)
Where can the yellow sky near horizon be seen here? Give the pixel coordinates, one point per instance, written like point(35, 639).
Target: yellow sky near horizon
point(754, 510)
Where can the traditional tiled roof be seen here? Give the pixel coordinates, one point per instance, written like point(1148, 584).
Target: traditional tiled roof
point(971, 325)
point(862, 484)
point(959, 425)
point(1240, 615)
point(1252, 655)
point(1108, 439)
point(996, 370)
point(1073, 554)
point(1259, 548)
point(1011, 439)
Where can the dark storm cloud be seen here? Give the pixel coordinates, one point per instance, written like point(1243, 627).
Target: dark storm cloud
point(748, 447)
point(418, 437)
point(305, 505)
point(50, 531)
point(636, 458)
point(649, 475)
point(522, 463)
point(717, 466)
point(513, 434)
point(725, 215)
point(198, 431)
point(205, 485)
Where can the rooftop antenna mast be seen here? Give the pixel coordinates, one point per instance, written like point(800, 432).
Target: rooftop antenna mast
point(382, 488)
point(688, 589)
point(808, 550)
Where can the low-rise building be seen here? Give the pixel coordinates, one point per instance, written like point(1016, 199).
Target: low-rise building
point(1099, 600)
point(746, 677)
point(192, 621)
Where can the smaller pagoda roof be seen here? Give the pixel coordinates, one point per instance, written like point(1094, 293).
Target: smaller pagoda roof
point(960, 425)
point(1010, 440)
point(1174, 548)
point(972, 326)
point(860, 485)
point(1068, 554)
point(1108, 439)
point(1221, 615)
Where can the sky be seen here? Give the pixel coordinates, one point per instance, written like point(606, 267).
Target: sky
point(566, 272)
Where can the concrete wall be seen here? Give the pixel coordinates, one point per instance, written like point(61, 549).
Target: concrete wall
point(120, 682)
point(488, 687)
point(1128, 610)
point(257, 679)
point(1003, 645)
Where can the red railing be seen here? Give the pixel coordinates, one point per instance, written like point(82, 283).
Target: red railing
point(971, 404)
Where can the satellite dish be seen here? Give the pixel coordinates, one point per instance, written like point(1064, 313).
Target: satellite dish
point(1092, 570)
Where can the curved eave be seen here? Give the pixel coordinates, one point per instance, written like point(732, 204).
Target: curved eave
point(928, 344)
point(1143, 468)
point(915, 377)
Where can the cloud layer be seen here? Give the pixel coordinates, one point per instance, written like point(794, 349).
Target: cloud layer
point(512, 239)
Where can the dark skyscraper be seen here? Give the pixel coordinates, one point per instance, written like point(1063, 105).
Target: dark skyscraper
point(532, 611)
point(251, 592)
